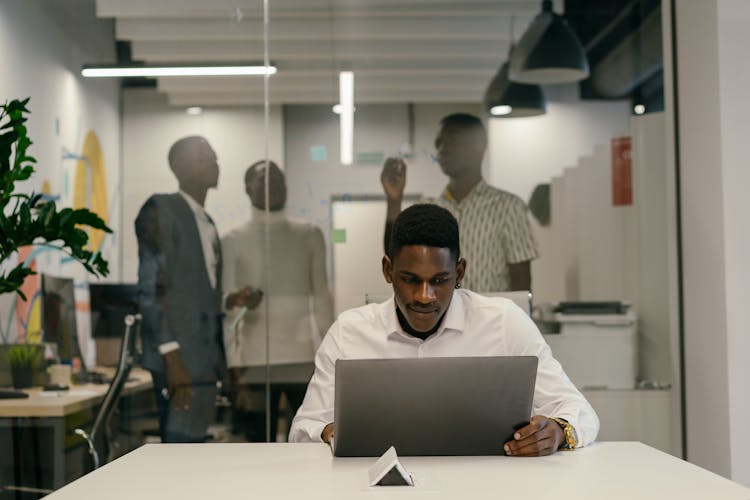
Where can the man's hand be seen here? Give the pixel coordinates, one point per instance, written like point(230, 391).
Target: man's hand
point(327, 433)
point(179, 383)
point(541, 437)
point(393, 179)
point(247, 296)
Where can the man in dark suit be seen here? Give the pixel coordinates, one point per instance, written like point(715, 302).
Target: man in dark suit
point(179, 284)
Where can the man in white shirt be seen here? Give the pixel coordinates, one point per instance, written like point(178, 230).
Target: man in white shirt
point(289, 314)
point(496, 235)
point(430, 316)
point(179, 294)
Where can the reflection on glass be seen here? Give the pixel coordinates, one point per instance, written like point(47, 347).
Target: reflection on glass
point(299, 307)
point(179, 284)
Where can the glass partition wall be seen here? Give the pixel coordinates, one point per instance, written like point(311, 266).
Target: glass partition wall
point(248, 211)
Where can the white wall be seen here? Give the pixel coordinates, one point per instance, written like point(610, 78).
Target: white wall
point(734, 81)
point(712, 80)
point(380, 129)
point(151, 126)
point(42, 47)
point(526, 151)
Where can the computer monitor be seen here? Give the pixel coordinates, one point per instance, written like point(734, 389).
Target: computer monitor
point(59, 317)
point(110, 303)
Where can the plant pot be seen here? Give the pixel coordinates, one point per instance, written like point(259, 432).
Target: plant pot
point(21, 376)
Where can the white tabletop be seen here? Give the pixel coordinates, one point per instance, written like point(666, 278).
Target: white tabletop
point(308, 472)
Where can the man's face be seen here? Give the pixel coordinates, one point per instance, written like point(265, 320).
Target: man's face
point(423, 280)
point(198, 165)
point(256, 188)
point(459, 149)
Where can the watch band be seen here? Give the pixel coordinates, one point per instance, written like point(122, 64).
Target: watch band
point(569, 432)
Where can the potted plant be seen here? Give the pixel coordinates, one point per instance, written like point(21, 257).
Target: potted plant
point(30, 218)
point(24, 360)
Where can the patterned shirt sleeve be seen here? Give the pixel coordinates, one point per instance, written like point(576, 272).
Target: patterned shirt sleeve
point(519, 243)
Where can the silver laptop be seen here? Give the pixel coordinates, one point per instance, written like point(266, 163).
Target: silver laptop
point(431, 406)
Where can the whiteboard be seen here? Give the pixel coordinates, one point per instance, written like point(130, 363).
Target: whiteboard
point(357, 268)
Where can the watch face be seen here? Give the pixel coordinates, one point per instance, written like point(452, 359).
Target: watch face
point(574, 436)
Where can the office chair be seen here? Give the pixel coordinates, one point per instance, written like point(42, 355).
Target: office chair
point(99, 438)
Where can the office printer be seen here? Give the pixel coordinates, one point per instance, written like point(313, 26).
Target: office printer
point(597, 344)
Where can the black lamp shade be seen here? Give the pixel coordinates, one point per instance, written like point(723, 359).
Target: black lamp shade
point(549, 52)
point(506, 99)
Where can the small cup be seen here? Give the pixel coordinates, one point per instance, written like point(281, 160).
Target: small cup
point(60, 374)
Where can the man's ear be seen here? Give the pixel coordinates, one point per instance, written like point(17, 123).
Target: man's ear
point(387, 269)
point(460, 269)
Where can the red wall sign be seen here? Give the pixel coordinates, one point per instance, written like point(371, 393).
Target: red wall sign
point(622, 172)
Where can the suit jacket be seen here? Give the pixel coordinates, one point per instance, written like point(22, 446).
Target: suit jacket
point(174, 292)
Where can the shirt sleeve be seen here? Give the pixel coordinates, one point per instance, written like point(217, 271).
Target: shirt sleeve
point(554, 394)
point(228, 270)
point(317, 409)
point(151, 227)
point(229, 285)
point(519, 243)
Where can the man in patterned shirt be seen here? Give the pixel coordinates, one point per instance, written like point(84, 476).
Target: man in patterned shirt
point(495, 233)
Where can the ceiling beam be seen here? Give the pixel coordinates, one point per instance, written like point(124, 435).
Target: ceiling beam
point(324, 83)
point(256, 98)
point(460, 27)
point(490, 50)
point(309, 9)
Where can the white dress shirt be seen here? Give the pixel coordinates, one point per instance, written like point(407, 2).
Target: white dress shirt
point(209, 237)
point(474, 325)
point(209, 241)
point(300, 306)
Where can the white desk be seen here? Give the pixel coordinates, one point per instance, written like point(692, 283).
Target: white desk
point(78, 397)
point(307, 471)
point(49, 418)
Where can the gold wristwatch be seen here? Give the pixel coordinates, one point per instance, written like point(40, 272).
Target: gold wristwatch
point(571, 438)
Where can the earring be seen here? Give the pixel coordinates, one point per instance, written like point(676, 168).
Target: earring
point(458, 285)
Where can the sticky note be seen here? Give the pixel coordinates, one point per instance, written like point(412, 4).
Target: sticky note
point(370, 158)
point(318, 153)
point(338, 236)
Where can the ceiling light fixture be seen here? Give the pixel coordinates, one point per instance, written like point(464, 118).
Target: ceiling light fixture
point(337, 109)
point(346, 117)
point(549, 52)
point(506, 99)
point(90, 71)
point(639, 109)
point(194, 110)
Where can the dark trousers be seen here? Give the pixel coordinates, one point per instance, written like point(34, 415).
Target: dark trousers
point(185, 426)
point(253, 424)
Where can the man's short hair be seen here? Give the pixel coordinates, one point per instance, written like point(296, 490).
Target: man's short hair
point(254, 169)
point(182, 147)
point(464, 121)
point(425, 225)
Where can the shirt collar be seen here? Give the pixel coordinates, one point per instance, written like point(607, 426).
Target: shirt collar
point(259, 216)
point(478, 189)
point(194, 206)
point(455, 317)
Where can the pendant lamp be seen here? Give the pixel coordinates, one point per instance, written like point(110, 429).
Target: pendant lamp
point(506, 99)
point(549, 52)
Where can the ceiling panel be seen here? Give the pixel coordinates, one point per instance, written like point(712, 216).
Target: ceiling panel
point(399, 50)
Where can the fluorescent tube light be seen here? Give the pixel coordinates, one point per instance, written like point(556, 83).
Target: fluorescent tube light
point(346, 100)
point(156, 71)
point(337, 109)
